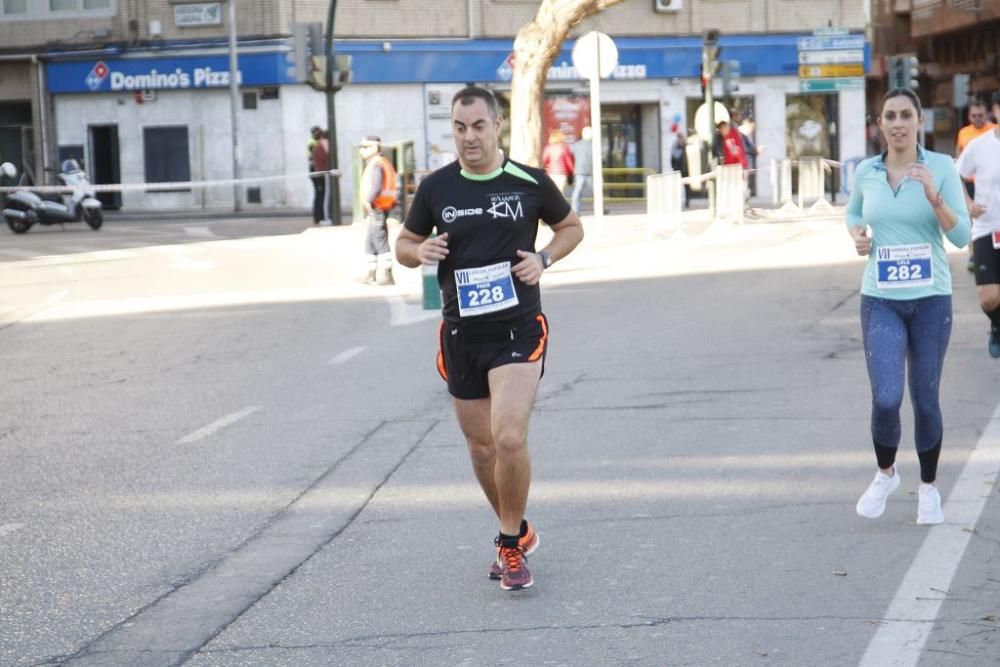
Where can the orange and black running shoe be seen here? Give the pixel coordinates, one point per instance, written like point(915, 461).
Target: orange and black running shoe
point(515, 574)
point(527, 543)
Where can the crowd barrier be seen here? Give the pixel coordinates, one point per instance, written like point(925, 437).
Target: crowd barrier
point(665, 192)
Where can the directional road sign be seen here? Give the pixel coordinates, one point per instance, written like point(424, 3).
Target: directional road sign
point(834, 57)
point(831, 85)
point(823, 42)
point(831, 71)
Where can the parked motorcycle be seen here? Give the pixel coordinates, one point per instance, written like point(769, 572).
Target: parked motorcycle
point(25, 208)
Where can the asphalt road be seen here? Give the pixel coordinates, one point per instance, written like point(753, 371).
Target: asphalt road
point(218, 449)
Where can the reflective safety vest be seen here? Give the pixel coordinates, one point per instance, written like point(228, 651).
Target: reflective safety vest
point(386, 198)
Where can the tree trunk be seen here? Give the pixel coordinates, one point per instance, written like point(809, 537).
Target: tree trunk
point(535, 49)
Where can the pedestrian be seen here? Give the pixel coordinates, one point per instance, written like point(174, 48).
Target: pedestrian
point(583, 167)
point(494, 337)
point(747, 128)
point(378, 196)
point(728, 145)
point(557, 160)
point(320, 154)
point(980, 160)
point(910, 198)
point(979, 124)
point(678, 162)
point(315, 132)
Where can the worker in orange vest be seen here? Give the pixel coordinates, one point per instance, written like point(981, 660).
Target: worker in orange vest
point(378, 195)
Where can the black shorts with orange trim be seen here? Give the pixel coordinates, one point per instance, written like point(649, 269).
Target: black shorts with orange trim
point(467, 351)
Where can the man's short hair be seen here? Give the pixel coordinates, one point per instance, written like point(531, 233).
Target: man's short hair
point(371, 140)
point(470, 94)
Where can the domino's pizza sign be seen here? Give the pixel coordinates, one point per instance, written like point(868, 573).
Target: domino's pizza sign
point(97, 75)
point(129, 74)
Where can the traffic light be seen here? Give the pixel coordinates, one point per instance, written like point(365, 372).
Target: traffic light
point(730, 77)
point(305, 46)
point(911, 70)
point(903, 72)
point(710, 52)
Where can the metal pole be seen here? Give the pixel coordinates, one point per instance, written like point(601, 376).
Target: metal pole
point(710, 108)
point(596, 141)
point(234, 100)
point(333, 185)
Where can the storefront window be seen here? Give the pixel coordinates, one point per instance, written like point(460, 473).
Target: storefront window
point(15, 6)
point(809, 121)
point(166, 154)
point(62, 5)
point(811, 132)
point(97, 4)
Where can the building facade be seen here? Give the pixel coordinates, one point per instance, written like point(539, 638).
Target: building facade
point(956, 42)
point(139, 89)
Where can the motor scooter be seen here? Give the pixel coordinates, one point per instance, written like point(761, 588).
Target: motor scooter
point(25, 208)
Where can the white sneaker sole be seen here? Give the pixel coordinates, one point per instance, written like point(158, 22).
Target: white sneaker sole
point(930, 520)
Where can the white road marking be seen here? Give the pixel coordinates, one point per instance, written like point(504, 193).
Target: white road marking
point(218, 424)
point(910, 617)
point(402, 313)
point(8, 528)
point(347, 354)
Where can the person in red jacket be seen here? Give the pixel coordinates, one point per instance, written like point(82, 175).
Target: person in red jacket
point(728, 145)
point(557, 160)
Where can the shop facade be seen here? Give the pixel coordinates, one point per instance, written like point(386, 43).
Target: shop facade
point(162, 116)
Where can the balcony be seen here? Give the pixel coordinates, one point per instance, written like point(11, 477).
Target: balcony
point(935, 17)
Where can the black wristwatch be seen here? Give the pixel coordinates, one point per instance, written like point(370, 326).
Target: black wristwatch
point(546, 258)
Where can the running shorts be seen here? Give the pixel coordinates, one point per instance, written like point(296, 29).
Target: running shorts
point(987, 261)
point(467, 351)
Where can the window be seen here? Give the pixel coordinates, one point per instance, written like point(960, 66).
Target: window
point(41, 10)
point(166, 154)
point(15, 6)
point(250, 100)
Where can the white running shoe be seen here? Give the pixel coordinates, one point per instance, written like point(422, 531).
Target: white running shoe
point(871, 504)
point(929, 506)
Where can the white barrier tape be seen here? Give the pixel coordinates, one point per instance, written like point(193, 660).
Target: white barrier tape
point(173, 185)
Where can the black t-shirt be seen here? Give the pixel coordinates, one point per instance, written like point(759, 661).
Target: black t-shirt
point(488, 219)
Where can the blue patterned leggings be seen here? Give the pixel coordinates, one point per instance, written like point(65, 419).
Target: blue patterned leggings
point(900, 334)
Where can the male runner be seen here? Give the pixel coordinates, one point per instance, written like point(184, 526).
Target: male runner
point(980, 160)
point(979, 124)
point(493, 337)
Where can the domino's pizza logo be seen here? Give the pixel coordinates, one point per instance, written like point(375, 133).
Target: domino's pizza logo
point(97, 75)
point(506, 69)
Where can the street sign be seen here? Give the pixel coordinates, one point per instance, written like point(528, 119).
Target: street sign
point(591, 48)
point(826, 42)
point(831, 31)
point(831, 71)
point(831, 85)
point(701, 125)
point(836, 57)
